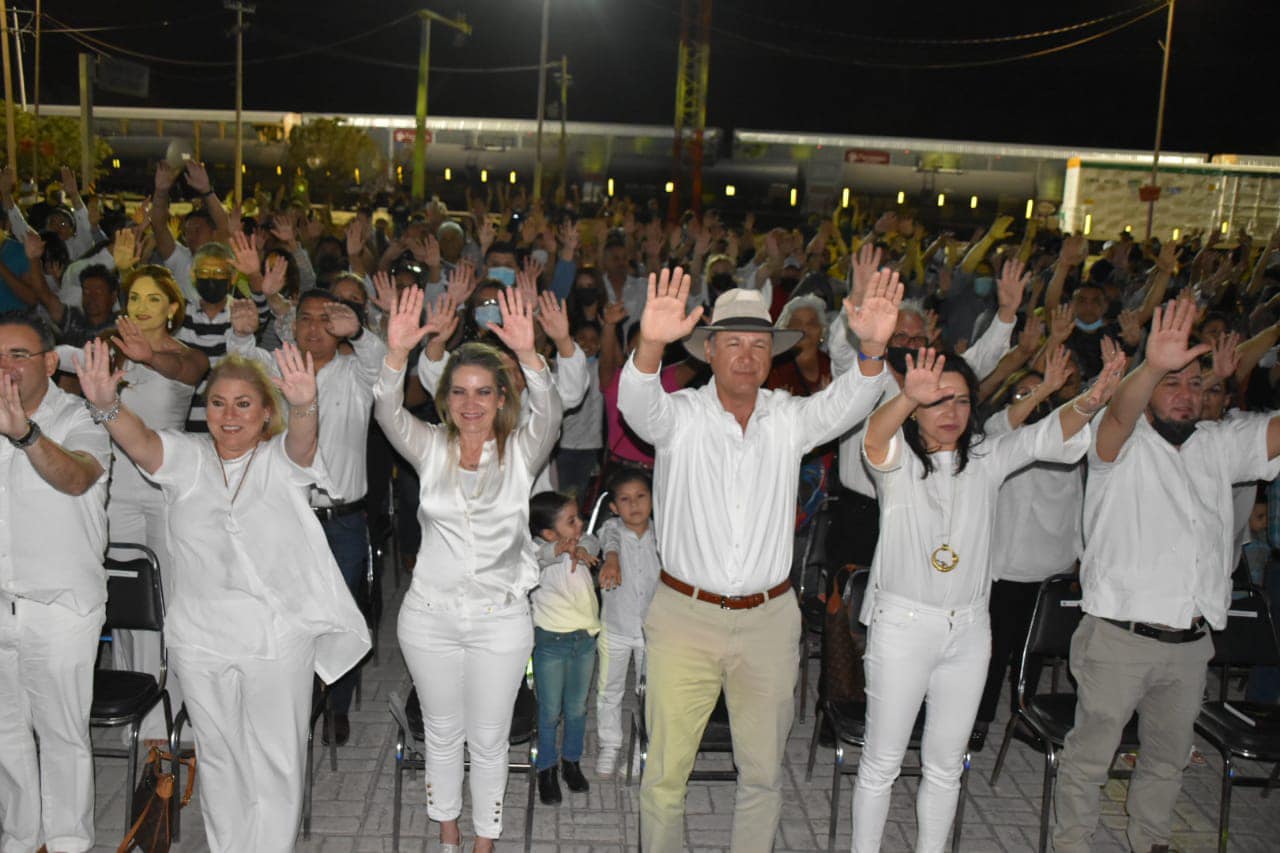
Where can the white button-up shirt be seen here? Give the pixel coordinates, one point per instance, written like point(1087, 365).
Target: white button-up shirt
point(51, 543)
point(725, 499)
point(476, 550)
point(1158, 521)
point(344, 389)
point(1037, 533)
point(919, 514)
point(625, 605)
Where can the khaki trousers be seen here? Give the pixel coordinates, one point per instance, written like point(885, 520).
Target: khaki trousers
point(1117, 673)
point(694, 650)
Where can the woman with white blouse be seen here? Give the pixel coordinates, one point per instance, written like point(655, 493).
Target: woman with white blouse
point(465, 627)
point(258, 603)
point(926, 606)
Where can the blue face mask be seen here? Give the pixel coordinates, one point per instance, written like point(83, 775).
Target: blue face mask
point(506, 275)
point(1089, 327)
point(982, 285)
point(488, 314)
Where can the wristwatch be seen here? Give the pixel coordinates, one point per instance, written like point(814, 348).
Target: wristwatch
point(31, 437)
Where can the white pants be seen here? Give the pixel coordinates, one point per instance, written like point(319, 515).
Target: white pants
point(46, 684)
point(140, 518)
point(467, 667)
point(615, 653)
point(914, 654)
point(250, 722)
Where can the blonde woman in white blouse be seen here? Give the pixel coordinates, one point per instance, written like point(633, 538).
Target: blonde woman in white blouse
point(258, 602)
point(465, 628)
point(929, 635)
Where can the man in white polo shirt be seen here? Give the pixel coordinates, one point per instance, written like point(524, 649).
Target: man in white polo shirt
point(1156, 568)
point(726, 473)
point(53, 592)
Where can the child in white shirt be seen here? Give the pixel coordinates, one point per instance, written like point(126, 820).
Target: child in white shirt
point(565, 624)
point(628, 579)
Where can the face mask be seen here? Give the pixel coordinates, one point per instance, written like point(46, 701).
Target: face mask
point(592, 359)
point(487, 315)
point(896, 357)
point(1089, 327)
point(539, 255)
point(506, 275)
point(982, 285)
point(1174, 432)
point(722, 281)
point(587, 297)
point(212, 290)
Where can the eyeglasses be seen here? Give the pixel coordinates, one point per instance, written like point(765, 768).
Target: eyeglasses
point(902, 339)
point(20, 356)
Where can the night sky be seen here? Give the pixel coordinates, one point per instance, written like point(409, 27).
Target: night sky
point(782, 65)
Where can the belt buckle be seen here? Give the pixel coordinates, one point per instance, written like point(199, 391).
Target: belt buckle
point(724, 602)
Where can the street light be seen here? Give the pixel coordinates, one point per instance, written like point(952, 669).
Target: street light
point(420, 117)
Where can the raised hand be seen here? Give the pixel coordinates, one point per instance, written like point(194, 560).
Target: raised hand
point(246, 261)
point(244, 317)
point(33, 245)
point(130, 341)
point(13, 417)
point(164, 178)
point(198, 177)
point(357, 235)
point(865, 264)
point(516, 330)
point(431, 252)
point(342, 321)
point(1167, 344)
point(69, 183)
point(273, 278)
point(442, 317)
point(1107, 380)
point(1226, 356)
point(552, 317)
point(384, 292)
point(461, 282)
point(297, 379)
point(1130, 328)
point(1000, 228)
point(1062, 323)
point(98, 382)
point(922, 383)
point(126, 250)
point(1074, 250)
point(614, 313)
point(664, 319)
point(1010, 286)
point(1032, 332)
point(404, 325)
point(486, 234)
point(873, 321)
point(284, 231)
point(1057, 368)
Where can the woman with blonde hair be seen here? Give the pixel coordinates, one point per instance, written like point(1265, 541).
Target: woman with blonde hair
point(258, 603)
point(465, 626)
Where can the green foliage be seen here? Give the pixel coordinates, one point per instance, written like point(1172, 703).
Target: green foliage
point(328, 151)
point(59, 145)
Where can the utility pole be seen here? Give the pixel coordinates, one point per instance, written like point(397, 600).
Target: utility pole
point(35, 99)
point(420, 116)
point(1151, 193)
point(564, 81)
point(241, 9)
point(542, 100)
point(11, 140)
point(86, 119)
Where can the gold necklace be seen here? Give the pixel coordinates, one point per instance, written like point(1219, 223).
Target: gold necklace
point(222, 466)
point(944, 558)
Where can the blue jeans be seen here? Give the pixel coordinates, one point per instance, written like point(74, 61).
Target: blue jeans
point(562, 667)
point(348, 537)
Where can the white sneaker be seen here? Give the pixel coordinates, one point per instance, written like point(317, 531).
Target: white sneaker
point(606, 763)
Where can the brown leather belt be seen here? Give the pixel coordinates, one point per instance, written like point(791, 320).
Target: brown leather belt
point(725, 602)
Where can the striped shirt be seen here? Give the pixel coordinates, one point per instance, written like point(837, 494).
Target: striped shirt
point(209, 335)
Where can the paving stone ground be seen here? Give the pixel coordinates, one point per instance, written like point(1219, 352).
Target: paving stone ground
point(353, 807)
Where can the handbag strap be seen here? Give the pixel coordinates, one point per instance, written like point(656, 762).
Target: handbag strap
point(164, 791)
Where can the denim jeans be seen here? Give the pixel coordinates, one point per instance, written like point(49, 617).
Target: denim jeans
point(348, 537)
point(562, 667)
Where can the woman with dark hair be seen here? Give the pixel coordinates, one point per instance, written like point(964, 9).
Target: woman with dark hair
point(926, 604)
point(587, 299)
point(465, 626)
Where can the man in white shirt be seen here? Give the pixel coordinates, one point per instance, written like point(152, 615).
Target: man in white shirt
point(53, 533)
point(344, 386)
point(726, 473)
point(1156, 568)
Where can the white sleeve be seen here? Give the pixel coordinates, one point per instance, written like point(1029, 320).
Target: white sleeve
point(573, 379)
point(429, 372)
point(987, 351)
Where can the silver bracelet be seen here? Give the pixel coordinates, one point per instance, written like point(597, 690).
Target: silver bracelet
point(308, 411)
point(102, 416)
point(1075, 404)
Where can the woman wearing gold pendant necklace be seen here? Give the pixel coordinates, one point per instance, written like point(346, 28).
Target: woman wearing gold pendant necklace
point(929, 634)
point(258, 602)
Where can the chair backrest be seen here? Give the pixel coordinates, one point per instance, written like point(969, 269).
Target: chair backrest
point(135, 599)
point(597, 516)
point(1057, 615)
point(812, 565)
point(1250, 636)
point(854, 592)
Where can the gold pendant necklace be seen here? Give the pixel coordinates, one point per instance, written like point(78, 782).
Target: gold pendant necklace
point(944, 558)
point(243, 477)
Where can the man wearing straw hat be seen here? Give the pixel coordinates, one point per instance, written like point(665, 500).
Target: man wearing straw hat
point(727, 467)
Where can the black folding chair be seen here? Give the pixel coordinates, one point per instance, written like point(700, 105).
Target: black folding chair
point(1239, 729)
point(809, 578)
point(135, 602)
point(849, 725)
point(321, 707)
point(1044, 719)
point(411, 749)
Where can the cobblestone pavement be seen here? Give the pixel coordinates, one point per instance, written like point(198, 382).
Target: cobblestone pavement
point(352, 807)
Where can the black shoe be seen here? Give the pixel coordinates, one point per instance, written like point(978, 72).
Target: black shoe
point(549, 787)
point(978, 737)
point(341, 729)
point(826, 734)
point(573, 777)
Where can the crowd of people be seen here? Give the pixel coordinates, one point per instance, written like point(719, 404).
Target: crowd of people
point(979, 413)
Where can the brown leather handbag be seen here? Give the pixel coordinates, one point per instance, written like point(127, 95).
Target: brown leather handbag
point(152, 829)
